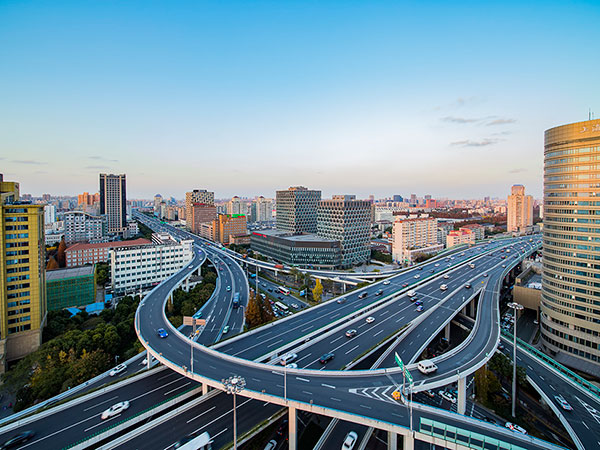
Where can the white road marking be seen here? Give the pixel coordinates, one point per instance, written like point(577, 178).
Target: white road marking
point(378, 333)
point(327, 385)
point(335, 399)
point(201, 414)
point(302, 379)
point(336, 339)
point(352, 349)
point(585, 425)
point(218, 418)
point(177, 388)
point(98, 404)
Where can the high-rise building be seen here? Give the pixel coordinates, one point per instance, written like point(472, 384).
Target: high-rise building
point(22, 274)
point(520, 209)
point(49, 214)
point(235, 206)
point(82, 227)
point(225, 227)
point(197, 196)
point(113, 202)
point(397, 198)
point(414, 236)
point(297, 210)
point(570, 317)
point(157, 201)
point(201, 213)
point(87, 199)
point(261, 210)
point(345, 219)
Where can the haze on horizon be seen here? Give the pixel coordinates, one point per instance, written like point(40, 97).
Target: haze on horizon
point(246, 98)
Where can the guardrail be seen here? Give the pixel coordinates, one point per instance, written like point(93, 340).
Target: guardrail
point(591, 388)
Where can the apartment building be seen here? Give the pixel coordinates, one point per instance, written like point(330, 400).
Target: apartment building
point(81, 254)
point(113, 202)
point(413, 236)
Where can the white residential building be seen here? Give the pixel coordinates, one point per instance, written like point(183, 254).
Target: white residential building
point(82, 227)
point(413, 236)
point(138, 267)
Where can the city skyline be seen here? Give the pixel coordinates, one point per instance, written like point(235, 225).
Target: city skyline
point(448, 100)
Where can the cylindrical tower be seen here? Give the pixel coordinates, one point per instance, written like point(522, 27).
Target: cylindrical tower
point(570, 306)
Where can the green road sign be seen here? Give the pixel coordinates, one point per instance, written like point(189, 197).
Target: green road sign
point(399, 361)
point(408, 376)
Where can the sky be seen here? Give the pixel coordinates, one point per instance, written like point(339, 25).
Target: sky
point(244, 98)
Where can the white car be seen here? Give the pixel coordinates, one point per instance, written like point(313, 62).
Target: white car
point(271, 445)
point(117, 370)
point(417, 276)
point(350, 441)
point(446, 276)
point(115, 410)
point(447, 396)
point(370, 319)
point(515, 427)
point(386, 282)
point(563, 403)
point(288, 358)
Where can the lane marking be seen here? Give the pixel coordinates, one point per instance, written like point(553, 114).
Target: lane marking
point(98, 404)
point(352, 349)
point(201, 414)
point(302, 379)
point(335, 399)
point(327, 385)
point(177, 388)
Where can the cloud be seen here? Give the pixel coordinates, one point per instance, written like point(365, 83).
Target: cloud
point(27, 161)
point(452, 119)
point(469, 143)
point(517, 170)
point(97, 167)
point(501, 122)
point(102, 158)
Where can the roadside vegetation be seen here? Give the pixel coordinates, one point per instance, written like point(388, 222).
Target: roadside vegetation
point(187, 303)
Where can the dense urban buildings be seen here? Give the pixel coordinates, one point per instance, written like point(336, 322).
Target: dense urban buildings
point(519, 210)
point(113, 202)
point(261, 210)
point(200, 213)
point(345, 219)
point(141, 266)
point(83, 227)
point(570, 317)
point(460, 237)
point(301, 249)
point(226, 227)
point(197, 196)
point(74, 287)
point(236, 206)
point(22, 274)
point(414, 236)
point(297, 210)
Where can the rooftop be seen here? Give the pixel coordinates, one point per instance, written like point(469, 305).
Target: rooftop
point(60, 274)
point(114, 244)
point(303, 237)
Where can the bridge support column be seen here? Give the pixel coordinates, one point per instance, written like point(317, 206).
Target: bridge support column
point(464, 311)
point(472, 309)
point(408, 442)
point(205, 388)
point(186, 286)
point(392, 441)
point(447, 332)
point(462, 395)
point(148, 360)
point(293, 437)
point(343, 288)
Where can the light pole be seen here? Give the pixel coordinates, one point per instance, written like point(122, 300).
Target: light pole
point(285, 380)
point(234, 385)
point(516, 307)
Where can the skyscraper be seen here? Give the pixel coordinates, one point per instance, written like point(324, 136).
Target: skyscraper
point(345, 219)
point(197, 196)
point(113, 202)
point(22, 274)
point(570, 317)
point(520, 209)
point(297, 210)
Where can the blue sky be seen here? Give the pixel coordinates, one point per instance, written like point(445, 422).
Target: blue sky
point(243, 98)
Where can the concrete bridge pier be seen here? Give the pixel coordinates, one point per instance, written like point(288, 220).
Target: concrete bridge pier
point(205, 388)
point(392, 441)
point(462, 395)
point(148, 360)
point(472, 308)
point(292, 428)
point(186, 286)
point(408, 442)
point(447, 332)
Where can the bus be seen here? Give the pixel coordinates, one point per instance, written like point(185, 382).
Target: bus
point(201, 442)
point(236, 300)
point(281, 306)
point(284, 290)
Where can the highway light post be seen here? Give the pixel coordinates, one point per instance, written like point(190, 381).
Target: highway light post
point(234, 385)
point(515, 307)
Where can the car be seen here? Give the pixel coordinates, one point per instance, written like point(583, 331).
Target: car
point(426, 367)
point(535, 322)
point(350, 441)
point(437, 265)
point(386, 282)
point(282, 428)
point(468, 286)
point(417, 276)
point(413, 299)
point(295, 305)
point(292, 366)
point(351, 333)
point(446, 276)
point(503, 265)
point(269, 289)
point(485, 274)
point(515, 427)
point(162, 333)
point(288, 358)
point(226, 329)
point(363, 294)
point(563, 403)
point(418, 302)
point(443, 287)
point(429, 393)
point(447, 396)
point(19, 439)
point(271, 445)
point(420, 308)
point(326, 358)
point(379, 292)
point(500, 346)
point(370, 319)
point(341, 300)
point(190, 267)
point(117, 370)
point(115, 410)
point(420, 268)
point(404, 284)
point(432, 270)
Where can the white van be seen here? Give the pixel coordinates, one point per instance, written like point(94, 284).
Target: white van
point(426, 366)
point(443, 287)
point(411, 293)
point(472, 266)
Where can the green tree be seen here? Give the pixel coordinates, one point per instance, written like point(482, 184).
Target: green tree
point(317, 291)
point(501, 365)
point(253, 314)
point(481, 385)
point(61, 257)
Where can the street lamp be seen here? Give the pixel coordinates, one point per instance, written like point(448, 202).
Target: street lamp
point(234, 385)
point(515, 307)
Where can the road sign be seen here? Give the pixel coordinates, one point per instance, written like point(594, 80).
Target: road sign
point(408, 376)
point(399, 361)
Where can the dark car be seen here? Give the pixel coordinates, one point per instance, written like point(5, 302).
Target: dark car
point(341, 300)
point(283, 428)
point(19, 439)
point(404, 284)
point(326, 358)
point(418, 303)
point(351, 333)
point(379, 292)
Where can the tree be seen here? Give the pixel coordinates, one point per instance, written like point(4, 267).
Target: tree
point(253, 315)
point(61, 257)
point(500, 364)
point(481, 385)
point(295, 273)
point(317, 291)
point(52, 264)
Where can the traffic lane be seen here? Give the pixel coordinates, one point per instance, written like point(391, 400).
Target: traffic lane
point(339, 433)
point(585, 417)
point(214, 416)
point(63, 428)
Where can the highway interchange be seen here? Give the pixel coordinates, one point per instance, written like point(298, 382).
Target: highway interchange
point(291, 333)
